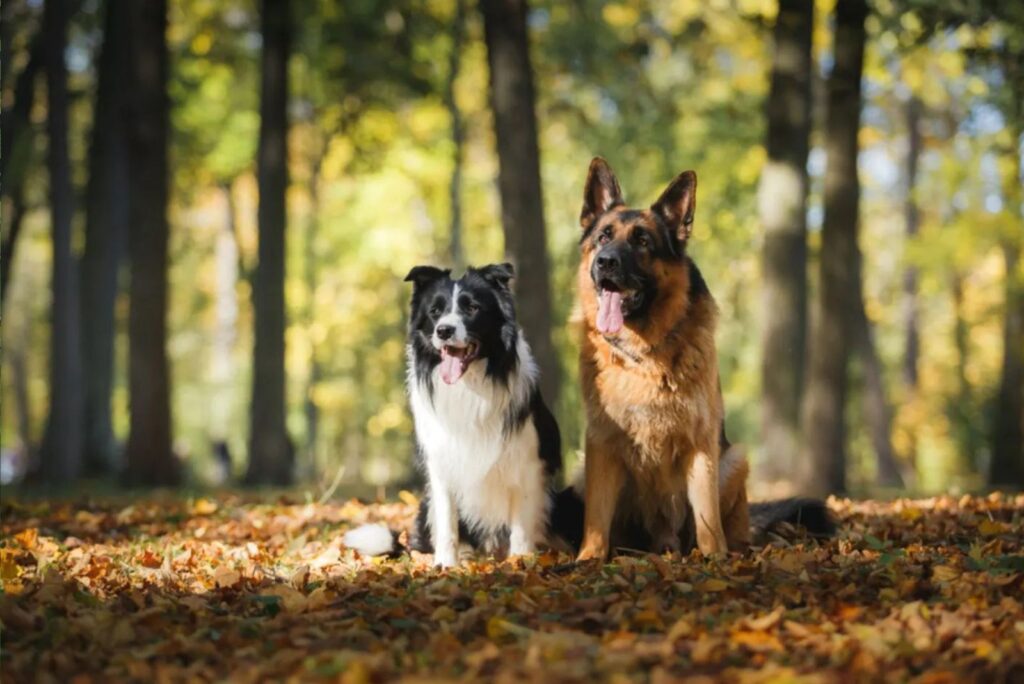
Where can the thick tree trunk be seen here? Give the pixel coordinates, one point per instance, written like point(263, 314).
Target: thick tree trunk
point(455, 248)
point(149, 457)
point(1008, 433)
point(522, 210)
point(824, 446)
point(106, 235)
point(1007, 439)
point(782, 204)
point(270, 449)
point(61, 456)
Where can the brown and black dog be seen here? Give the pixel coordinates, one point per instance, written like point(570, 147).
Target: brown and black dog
point(659, 471)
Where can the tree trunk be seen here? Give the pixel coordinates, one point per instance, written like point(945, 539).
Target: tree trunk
point(877, 411)
point(106, 235)
point(16, 133)
point(824, 455)
point(1008, 433)
point(522, 210)
point(311, 409)
point(270, 449)
point(455, 247)
point(225, 306)
point(61, 456)
point(782, 204)
point(1007, 439)
point(912, 346)
point(150, 459)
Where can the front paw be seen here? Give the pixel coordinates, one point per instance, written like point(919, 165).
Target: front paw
point(592, 552)
point(446, 558)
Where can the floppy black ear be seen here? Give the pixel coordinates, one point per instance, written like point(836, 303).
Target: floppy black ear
point(498, 274)
point(677, 204)
point(424, 275)
point(600, 193)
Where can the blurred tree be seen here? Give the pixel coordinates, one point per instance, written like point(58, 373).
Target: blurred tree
point(456, 33)
point(824, 449)
point(149, 457)
point(16, 139)
point(522, 208)
point(912, 219)
point(61, 454)
point(271, 455)
point(1008, 433)
point(106, 235)
point(782, 204)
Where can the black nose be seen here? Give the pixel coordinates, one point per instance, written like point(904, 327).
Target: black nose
point(445, 332)
point(607, 262)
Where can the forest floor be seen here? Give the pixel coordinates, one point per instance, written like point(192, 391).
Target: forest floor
point(227, 588)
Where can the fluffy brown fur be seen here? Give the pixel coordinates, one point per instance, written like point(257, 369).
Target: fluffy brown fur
point(654, 442)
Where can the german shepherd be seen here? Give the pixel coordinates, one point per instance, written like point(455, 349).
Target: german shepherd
point(659, 470)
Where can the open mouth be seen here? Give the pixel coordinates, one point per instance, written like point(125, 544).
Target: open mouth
point(455, 360)
point(613, 305)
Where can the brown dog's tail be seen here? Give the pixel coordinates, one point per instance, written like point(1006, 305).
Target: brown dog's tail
point(811, 514)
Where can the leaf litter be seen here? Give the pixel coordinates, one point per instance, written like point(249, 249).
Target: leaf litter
point(232, 589)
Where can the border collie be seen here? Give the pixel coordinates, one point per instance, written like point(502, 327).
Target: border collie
point(486, 441)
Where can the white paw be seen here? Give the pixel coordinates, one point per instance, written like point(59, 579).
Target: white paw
point(446, 558)
point(521, 547)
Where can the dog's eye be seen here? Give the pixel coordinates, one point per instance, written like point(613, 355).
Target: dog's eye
point(605, 236)
point(643, 241)
point(471, 309)
point(435, 311)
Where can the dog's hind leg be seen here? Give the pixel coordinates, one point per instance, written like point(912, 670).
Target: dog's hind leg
point(732, 492)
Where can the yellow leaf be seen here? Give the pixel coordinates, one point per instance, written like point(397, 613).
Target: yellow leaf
point(712, 584)
point(679, 630)
point(758, 642)
point(204, 507)
point(408, 498)
point(765, 622)
point(990, 528)
point(945, 573)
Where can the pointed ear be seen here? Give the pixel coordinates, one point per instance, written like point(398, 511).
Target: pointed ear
point(600, 193)
point(424, 275)
point(498, 274)
point(677, 204)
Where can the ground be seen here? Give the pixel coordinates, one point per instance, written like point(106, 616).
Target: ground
point(222, 588)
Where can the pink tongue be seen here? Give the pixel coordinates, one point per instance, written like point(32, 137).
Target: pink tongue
point(609, 312)
point(451, 368)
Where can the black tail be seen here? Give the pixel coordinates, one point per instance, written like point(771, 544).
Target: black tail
point(811, 514)
point(766, 516)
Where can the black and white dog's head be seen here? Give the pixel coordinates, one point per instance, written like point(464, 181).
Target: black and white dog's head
point(456, 323)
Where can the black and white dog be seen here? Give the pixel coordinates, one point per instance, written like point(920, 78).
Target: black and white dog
point(488, 444)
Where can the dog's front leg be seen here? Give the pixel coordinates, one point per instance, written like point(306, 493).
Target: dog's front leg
point(604, 477)
point(702, 489)
point(444, 519)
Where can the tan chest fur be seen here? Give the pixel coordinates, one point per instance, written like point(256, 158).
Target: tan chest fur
point(654, 391)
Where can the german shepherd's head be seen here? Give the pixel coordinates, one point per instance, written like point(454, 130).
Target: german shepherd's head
point(634, 272)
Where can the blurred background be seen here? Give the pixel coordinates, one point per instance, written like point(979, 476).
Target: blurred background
point(209, 207)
